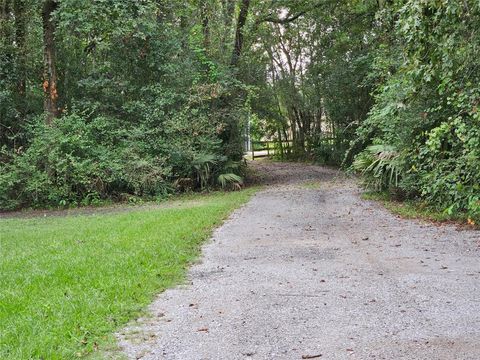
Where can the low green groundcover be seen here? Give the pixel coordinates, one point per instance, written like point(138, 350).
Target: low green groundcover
point(67, 283)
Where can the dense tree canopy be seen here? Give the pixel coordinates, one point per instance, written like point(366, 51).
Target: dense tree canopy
point(118, 98)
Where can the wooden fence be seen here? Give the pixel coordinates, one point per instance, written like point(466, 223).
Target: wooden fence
point(262, 149)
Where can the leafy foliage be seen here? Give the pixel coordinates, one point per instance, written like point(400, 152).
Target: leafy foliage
point(380, 165)
point(154, 96)
point(230, 179)
point(427, 95)
point(142, 104)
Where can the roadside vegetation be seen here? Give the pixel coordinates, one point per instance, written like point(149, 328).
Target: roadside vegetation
point(112, 100)
point(68, 282)
point(421, 139)
point(415, 209)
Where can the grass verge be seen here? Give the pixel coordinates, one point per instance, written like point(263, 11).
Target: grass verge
point(418, 210)
point(67, 283)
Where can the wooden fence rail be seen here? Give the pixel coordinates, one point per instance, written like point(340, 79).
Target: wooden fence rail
point(267, 148)
point(271, 147)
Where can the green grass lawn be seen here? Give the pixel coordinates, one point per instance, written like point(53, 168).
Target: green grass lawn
point(67, 283)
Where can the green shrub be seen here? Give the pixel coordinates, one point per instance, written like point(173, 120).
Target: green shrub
point(72, 162)
point(81, 161)
point(426, 107)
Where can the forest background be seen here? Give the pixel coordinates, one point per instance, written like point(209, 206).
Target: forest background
point(118, 100)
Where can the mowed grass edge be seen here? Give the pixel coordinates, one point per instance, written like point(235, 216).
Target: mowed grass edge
point(67, 283)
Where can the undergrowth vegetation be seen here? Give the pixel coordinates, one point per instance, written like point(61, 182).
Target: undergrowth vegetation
point(113, 99)
point(132, 104)
point(426, 118)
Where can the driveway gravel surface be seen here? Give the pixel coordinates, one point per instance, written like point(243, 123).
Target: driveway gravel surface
point(307, 269)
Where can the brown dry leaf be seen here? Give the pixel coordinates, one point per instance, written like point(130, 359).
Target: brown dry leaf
point(311, 356)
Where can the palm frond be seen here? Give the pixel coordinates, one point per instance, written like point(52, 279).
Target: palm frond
point(230, 179)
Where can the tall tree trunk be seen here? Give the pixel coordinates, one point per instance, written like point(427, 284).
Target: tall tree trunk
point(238, 45)
point(19, 9)
point(280, 142)
point(184, 27)
point(301, 131)
point(205, 15)
point(5, 14)
point(5, 9)
point(49, 61)
point(6, 43)
point(6, 32)
point(228, 10)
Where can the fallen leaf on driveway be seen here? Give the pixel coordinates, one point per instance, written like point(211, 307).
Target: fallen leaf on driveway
point(311, 356)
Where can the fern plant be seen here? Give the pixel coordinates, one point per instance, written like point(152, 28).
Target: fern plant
point(231, 180)
point(208, 168)
point(380, 166)
point(202, 166)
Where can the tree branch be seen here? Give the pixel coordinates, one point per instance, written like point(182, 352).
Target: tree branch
point(289, 18)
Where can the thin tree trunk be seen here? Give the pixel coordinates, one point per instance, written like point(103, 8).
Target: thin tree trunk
point(239, 36)
point(6, 30)
point(4, 12)
point(228, 9)
point(20, 38)
point(293, 125)
point(184, 26)
point(6, 41)
point(205, 15)
point(301, 132)
point(49, 61)
point(280, 142)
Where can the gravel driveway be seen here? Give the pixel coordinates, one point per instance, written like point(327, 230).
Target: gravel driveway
point(309, 270)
